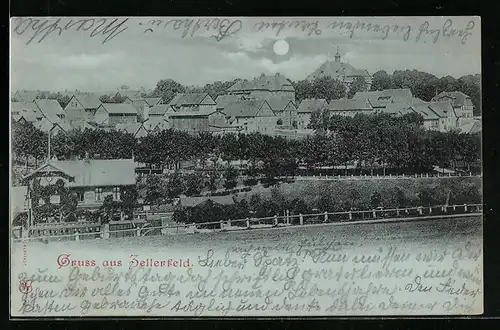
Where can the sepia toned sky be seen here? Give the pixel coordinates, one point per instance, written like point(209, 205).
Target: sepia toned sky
point(74, 60)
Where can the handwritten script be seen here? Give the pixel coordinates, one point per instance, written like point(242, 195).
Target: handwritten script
point(107, 29)
point(297, 276)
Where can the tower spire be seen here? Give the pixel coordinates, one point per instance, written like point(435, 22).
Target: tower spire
point(337, 56)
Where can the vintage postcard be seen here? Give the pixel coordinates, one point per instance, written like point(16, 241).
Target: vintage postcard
point(235, 167)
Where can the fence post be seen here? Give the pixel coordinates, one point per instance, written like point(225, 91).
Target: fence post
point(221, 225)
point(275, 220)
point(445, 209)
point(420, 210)
point(350, 215)
point(374, 212)
point(301, 219)
point(430, 209)
point(465, 207)
point(454, 207)
point(397, 212)
point(248, 223)
point(138, 230)
point(105, 231)
point(77, 235)
point(427, 175)
point(287, 217)
point(325, 216)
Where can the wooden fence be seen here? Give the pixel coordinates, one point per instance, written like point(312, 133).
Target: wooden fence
point(136, 228)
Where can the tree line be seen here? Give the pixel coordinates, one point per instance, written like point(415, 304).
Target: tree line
point(365, 141)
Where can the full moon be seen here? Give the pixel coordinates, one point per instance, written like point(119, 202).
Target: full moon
point(281, 47)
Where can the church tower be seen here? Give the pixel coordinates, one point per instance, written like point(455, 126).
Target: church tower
point(337, 55)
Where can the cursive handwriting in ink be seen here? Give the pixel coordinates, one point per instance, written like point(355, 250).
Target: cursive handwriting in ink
point(190, 27)
point(39, 29)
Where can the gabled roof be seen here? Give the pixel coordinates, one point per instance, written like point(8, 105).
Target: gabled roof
point(190, 99)
point(311, 105)
point(278, 103)
point(458, 99)
point(23, 106)
point(433, 110)
point(51, 109)
point(348, 105)
point(95, 172)
point(244, 108)
point(379, 99)
point(88, 100)
point(155, 122)
point(119, 108)
point(223, 100)
point(131, 94)
point(276, 82)
point(44, 125)
point(27, 96)
point(159, 110)
point(151, 101)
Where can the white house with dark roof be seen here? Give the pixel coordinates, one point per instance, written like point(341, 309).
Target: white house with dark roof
point(115, 113)
point(438, 116)
point(306, 108)
point(91, 180)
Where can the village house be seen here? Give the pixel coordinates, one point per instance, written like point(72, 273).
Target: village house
point(349, 107)
point(91, 180)
point(306, 108)
point(253, 115)
point(26, 96)
point(438, 116)
point(224, 99)
point(143, 105)
point(194, 121)
point(341, 71)
point(115, 113)
point(462, 104)
point(193, 102)
point(81, 108)
point(264, 86)
point(25, 111)
point(158, 117)
point(284, 107)
point(47, 126)
point(379, 100)
point(50, 109)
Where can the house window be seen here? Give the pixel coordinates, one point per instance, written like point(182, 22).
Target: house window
point(80, 196)
point(98, 194)
point(116, 193)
